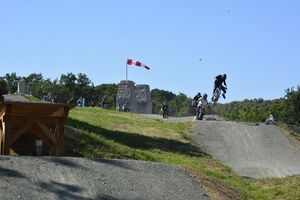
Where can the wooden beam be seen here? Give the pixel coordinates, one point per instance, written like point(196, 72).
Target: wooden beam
point(1, 135)
point(2, 138)
point(60, 136)
point(6, 128)
point(34, 110)
point(40, 134)
point(21, 119)
point(20, 131)
point(46, 131)
point(2, 110)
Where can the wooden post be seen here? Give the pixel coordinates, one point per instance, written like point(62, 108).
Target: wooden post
point(1, 135)
point(7, 136)
point(61, 130)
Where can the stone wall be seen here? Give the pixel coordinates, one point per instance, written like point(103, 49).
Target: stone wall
point(143, 99)
point(137, 97)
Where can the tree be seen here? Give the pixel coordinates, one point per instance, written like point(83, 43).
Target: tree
point(35, 81)
point(83, 87)
point(12, 81)
point(292, 106)
point(67, 87)
point(109, 91)
point(158, 97)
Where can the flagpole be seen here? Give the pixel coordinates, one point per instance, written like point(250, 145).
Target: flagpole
point(126, 71)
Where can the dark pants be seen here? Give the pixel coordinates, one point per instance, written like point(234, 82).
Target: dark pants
point(217, 85)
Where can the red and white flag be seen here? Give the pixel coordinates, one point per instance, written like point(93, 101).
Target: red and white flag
point(137, 63)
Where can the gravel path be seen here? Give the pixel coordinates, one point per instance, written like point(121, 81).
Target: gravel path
point(79, 178)
point(253, 150)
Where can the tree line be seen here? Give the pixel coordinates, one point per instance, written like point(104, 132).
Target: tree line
point(285, 109)
point(66, 89)
point(70, 87)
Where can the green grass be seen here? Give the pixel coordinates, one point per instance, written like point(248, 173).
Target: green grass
point(104, 133)
point(33, 99)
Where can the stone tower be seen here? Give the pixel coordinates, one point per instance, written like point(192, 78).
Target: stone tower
point(137, 97)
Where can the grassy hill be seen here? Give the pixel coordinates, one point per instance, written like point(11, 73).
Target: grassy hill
point(95, 132)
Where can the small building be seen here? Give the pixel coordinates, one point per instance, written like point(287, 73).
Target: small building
point(24, 125)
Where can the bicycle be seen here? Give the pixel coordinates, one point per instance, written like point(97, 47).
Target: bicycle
point(216, 95)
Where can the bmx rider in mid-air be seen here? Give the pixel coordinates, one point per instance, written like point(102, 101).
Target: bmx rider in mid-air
point(220, 80)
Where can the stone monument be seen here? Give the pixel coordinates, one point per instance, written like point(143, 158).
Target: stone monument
point(143, 99)
point(126, 95)
point(137, 98)
point(22, 87)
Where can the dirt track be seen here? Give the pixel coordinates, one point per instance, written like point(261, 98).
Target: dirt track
point(253, 150)
point(79, 178)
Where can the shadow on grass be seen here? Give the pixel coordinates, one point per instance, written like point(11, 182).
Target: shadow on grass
point(137, 141)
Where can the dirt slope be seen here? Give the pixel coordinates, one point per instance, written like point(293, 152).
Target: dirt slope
point(252, 150)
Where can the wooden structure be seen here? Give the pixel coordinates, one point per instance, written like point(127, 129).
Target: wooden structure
point(43, 121)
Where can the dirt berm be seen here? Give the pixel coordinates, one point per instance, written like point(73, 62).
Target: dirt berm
point(251, 149)
point(80, 178)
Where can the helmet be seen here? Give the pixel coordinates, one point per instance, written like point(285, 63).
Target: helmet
point(205, 96)
point(224, 75)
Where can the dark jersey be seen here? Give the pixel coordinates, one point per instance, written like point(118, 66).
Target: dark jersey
point(196, 97)
point(219, 80)
point(165, 107)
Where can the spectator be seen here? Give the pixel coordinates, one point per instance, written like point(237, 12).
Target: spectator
point(270, 120)
point(103, 103)
point(119, 107)
point(45, 98)
point(125, 107)
point(80, 102)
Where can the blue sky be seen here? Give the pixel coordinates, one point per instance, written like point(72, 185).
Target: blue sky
point(257, 43)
